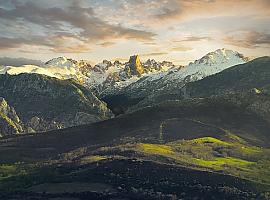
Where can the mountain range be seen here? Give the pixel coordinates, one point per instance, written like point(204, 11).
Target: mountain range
point(136, 130)
point(119, 87)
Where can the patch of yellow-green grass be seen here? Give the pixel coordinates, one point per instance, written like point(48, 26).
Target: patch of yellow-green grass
point(7, 171)
point(7, 168)
point(250, 150)
point(234, 138)
point(187, 156)
point(158, 149)
point(221, 163)
point(231, 155)
point(236, 158)
point(260, 172)
point(92, 159)
point(209, 140)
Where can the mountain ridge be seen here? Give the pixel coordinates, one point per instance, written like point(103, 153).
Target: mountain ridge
point(165, 83)
point(107, 77)
point(46, 103)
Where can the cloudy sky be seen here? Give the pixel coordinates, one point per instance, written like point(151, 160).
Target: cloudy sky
point(175, 30)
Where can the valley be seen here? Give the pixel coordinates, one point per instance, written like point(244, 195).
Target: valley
point(144, 131)
point(134, 100)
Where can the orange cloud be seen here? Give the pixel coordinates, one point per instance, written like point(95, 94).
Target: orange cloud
point(60, 25)
point(181, 49)
point(176, 10)
point(154, 54)
point(248, 39)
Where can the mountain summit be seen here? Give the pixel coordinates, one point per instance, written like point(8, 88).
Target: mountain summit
point(213, 63)
point(61, 62)
point(221, 56)
point(134, 66)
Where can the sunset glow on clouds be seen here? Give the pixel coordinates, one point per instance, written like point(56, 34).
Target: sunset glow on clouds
point(175, 30)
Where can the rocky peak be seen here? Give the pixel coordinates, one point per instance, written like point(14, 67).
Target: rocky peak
point(117, 62)
point(3, 104)
point(221, 56)
point(61, 62)
point(135, 66)
point(107, 63)
point(167, 63)
point(150, 62)
point(84, 67)
point(7, 110)
point(10, 123)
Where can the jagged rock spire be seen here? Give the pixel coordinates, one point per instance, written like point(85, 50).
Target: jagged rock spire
point(135, 65)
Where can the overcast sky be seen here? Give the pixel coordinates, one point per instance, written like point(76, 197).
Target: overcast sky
point(175, 30)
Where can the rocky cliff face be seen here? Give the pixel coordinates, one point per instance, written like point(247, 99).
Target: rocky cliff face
point(10, 123)
point(134, 66)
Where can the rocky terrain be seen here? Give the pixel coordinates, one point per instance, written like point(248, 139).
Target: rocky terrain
point(70, 102)
point(239, 78)
point(155, 87)
point(251, 77)
point(103, 76)
point(44, 103)
point(10, 123)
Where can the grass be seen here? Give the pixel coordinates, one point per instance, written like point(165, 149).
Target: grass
point(10, 170)
point(155, 149)
point(221, 163)
point(7, 170)
point(92, 159)
point(209, 140)
point(232, 156)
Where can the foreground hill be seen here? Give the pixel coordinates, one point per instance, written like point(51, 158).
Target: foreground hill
point(189, 119)
point(211, 148)
point(45, 103)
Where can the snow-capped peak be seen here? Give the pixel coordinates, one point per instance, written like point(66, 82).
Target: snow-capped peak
point(220, 56)
point(213, 63)
point(61, 62)
point(108, 77)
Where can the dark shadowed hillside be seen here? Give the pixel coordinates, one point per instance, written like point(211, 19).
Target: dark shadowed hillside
point(254, 74)
point(249, 77)
point(180, 120)
point(213, 148)
point(45, 103)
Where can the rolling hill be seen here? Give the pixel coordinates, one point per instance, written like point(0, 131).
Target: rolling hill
point(210, 147)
